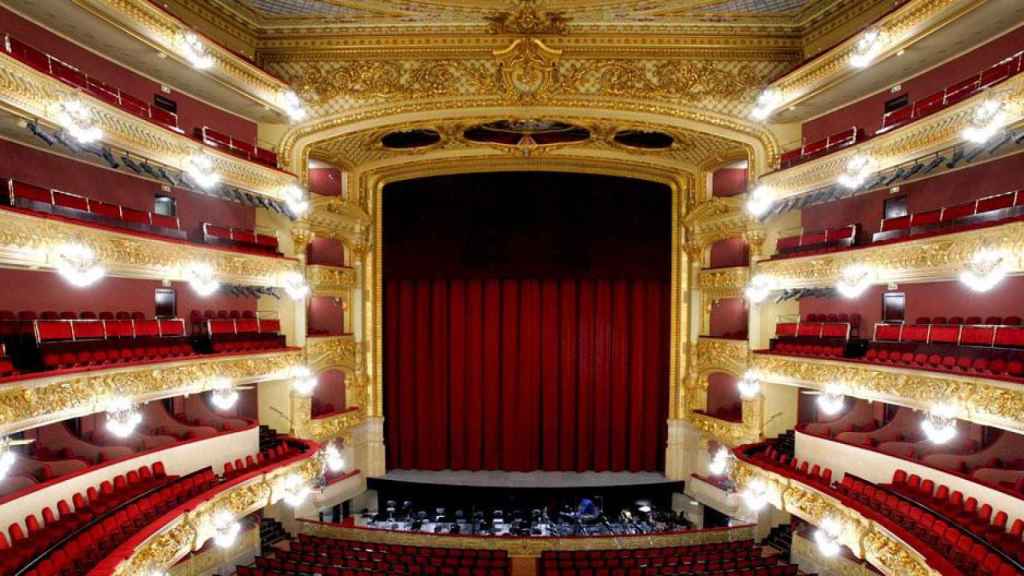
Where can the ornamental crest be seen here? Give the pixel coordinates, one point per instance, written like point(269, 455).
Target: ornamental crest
point(527, 69)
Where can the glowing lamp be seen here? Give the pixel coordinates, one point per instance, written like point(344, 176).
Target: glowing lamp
point(294, 107)
point(827, 537)
point(831, 402)
point(985, 269)
point(304, 381)
point(867, 48)
point(767, 101)
point(202, 279)
point(295, 199)
point(760, 286)
point(295, 490)
point(7, 457)
point(720, 462)
point(295, 285)
point(225, 529)
point(986, 121)
point(123, 417)
point(755, 496)
point(200, 167)
point(749, 385)
point(333, 458)
point(77, 264)
point(940, 424)
point(854, 280)
point(856, 172)
point(77, 119)
point(195, 51)
point(759, 201)
point(224, 396)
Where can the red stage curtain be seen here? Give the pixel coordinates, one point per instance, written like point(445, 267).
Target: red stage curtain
point(523, 374)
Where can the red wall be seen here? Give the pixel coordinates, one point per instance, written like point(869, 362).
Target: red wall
point(48, 291)
point(931, 299)
point(325, 181)
point(729, 318)
point(191, 113)
point(52, 171)
point(996, 177)
point(729, 182)
point(867, 113)
point(326, 251)
point(330, 389)
point(723, 397)
point(729, 252)
point(325, 316)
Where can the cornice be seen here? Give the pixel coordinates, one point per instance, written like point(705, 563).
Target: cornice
point(932, 134)
point(325, 353)
point(331, 280)
point(731, 434)
point(340, 425)
point(718, 219)
point(718, 283)
point(976, 399)
point(902, 28)
point(338, 218)
point(864, 537)
point(30, 241)
point(930, 259)
point(194, 527)
point(721, 355)
point(155, 26)
point(32, 95)
point(35, 402)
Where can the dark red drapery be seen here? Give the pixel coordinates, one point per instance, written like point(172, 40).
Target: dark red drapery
point(520, 374)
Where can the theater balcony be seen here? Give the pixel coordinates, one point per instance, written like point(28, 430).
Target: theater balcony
point(44, 95)
point(133, 30)
point(939, 132)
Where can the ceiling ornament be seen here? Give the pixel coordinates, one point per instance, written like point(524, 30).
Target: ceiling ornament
point(527, 69)
point(528, 19)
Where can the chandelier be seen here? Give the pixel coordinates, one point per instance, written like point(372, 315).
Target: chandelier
point(200, 167)
point(988, 119)
point(940, 424)
point(201, 278)
point(7, 457)
point(295, 285)
point(749, 386)
point(857, 171)
point(985, 269)
point(854, 280)
point(720, 462)
point(755, 496)
point(294, 107)
point(295, 199)
point(831, 402)
point(295, 490)
point(304, 381)
point(123, 417)
point(333, 459)
point(78, 120)
point(827, 537)
point(767, 101)
point(77, 264)
point(225, 529)
point(867, 48)
point(195, 51)
point(760, 286)
point(224, 396)
point(759, 201)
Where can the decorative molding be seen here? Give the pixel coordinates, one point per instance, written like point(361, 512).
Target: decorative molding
point(719, 283)
point(804, 550)
point(732, 434)
point(528, 19)
point(32, 95)
point(930, 259)
point(527, 547)
point(339, 425)
point(333, 353)
point(336, 281)
point(157, 27)
point(984, 401)
point(865, 537)
point(721, 355)
point(191, 530)
point(717, 219)
point(902, 27)
point(27, 241)
point(35, 402)
point(209, 560)
point(931, 134)
point(338, 218)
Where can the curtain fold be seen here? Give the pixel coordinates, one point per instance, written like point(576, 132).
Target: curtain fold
point(526, 374)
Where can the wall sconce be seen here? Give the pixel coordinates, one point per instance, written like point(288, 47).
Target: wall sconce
point(295, 199)
point(295, 285)
point(985, 270)
point(760, 286)
point(749, 385)
point(867, 48)
point(123, 417)
point(827, 537)
point(759, 201)
point(854, 280)
point(940, 424)
point(195, 51)
point(77, 264)
point(200, 167)
point(201, 278)
point(78, 120)
point(755, 496)
point(857, 171)
point(986, 120)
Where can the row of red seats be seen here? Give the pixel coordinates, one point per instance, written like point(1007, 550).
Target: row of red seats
point(653, 553)
point(93, 543)
point(969, 362)
point(828, 145)
point(971, 333)
point(236, 146)
point(739, 555)
point(296, 561)
point(756, 567)
point(252, 463)
point(327, 545)
point(950, 546)
point(30, 315)
point(24, 195)
point(817, 241)
point(1000, 72)
point(252, 239)
point(24, 545)
point(346, 556)
point(988, 209)
point(809, 349)
point(784, 464)
point(80, 343)
point(374, 571)
point(73, 76)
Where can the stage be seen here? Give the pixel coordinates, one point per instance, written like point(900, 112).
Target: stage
point(527, 480)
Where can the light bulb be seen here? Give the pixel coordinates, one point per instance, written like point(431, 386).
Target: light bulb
point(760, 286)
point(767, 101)
point(827, 537)
point(195, 51)
point(123, 417)
point(759, 201)
point(78, 120)
point(304, 381)
point(200, 167)
point(77, 264)
point(987, 120)
point(226, 529)
point(224, 396)
point(940, 424)
point(295, 285)
point(857, 171)
point(985, 270)
point(749, 385)
point(295, 490)
point(202, 279)
point(295, 199)
point(755, 496)
point(333, 458)
point(854, 280)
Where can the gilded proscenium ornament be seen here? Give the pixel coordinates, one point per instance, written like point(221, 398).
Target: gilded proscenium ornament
point(31, 403)
point(526, 547)
point(730, 433)
point(718, 283)
point(528, 19)
point(338, 218)
point(192, 529)
point(207, 561)
point(340, 425)
point(718, 219)
point(899, 29)
point(928, 259)
point(27, 240)
point(333, 353)
point(934, 133)
point(805, 549)
point(864, 537)
point(983, 401)
point(34, 95)
point(721, 355)
point(331, 280)
point(160, 29)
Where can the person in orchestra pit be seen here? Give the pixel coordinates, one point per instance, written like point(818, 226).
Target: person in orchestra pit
point(587, 508)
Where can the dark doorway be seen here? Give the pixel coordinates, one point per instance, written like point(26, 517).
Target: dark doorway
point(166, 300)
